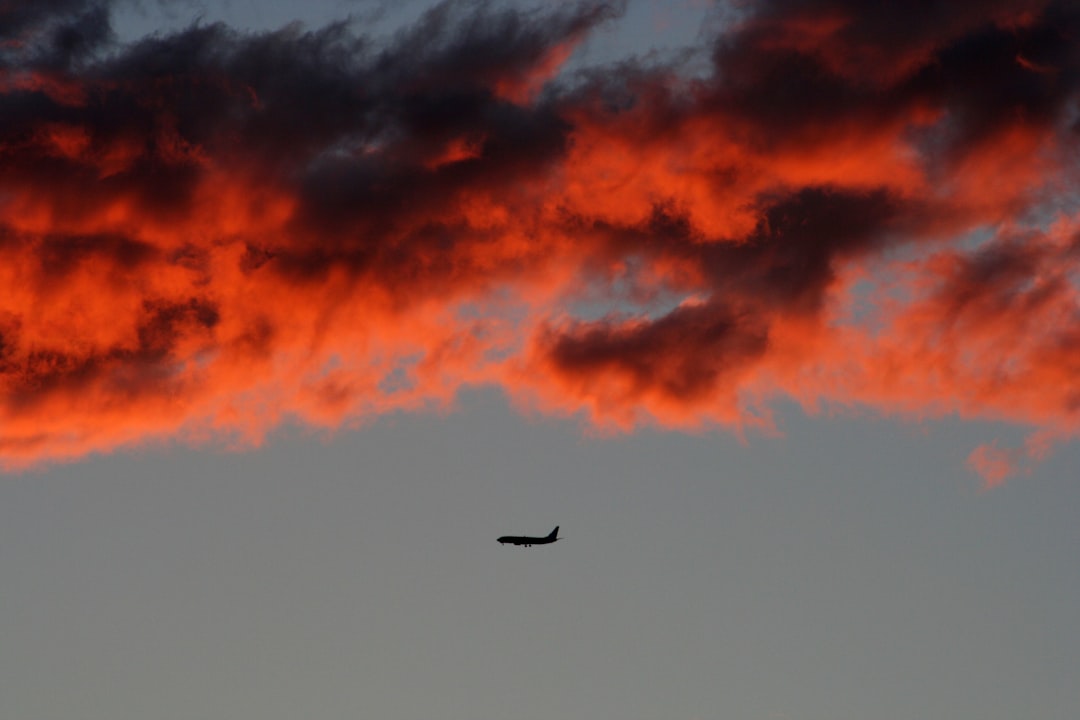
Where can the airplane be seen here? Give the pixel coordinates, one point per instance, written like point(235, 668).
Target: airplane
point(530, 541)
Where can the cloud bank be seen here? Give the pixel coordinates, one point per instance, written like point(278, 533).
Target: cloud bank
point(210, 232)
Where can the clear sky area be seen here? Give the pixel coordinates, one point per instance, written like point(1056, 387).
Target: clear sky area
point(772, 307)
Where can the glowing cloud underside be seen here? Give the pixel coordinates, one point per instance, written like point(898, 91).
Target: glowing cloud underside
point(209, 232)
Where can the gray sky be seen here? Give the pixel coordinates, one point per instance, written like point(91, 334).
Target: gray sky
point(850, 567)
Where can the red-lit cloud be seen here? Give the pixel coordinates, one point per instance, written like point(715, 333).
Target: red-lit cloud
point(208, 233)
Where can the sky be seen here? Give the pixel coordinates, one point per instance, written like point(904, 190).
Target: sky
point(771, 306)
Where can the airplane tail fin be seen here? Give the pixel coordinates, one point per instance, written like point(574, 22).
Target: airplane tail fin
point(554, 533)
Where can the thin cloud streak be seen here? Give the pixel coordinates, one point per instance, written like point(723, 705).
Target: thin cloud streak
point(211, 232)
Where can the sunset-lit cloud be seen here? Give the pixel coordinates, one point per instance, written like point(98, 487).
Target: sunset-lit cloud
point(207, 233)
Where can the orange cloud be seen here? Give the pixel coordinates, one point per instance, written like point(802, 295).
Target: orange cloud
point(209, 233)
point(993, 464)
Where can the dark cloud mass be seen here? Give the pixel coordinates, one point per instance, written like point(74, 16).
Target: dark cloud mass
point(212, 230)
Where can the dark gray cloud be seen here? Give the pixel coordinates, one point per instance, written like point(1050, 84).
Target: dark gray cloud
point(183, 209)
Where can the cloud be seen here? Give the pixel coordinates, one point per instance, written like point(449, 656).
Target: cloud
point(996, 464)
point(210, 232)
point(993, 464)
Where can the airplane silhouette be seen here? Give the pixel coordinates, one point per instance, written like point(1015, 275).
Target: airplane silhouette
point(530, 541)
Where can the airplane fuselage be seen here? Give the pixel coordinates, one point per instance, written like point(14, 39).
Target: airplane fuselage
point(529, 541)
